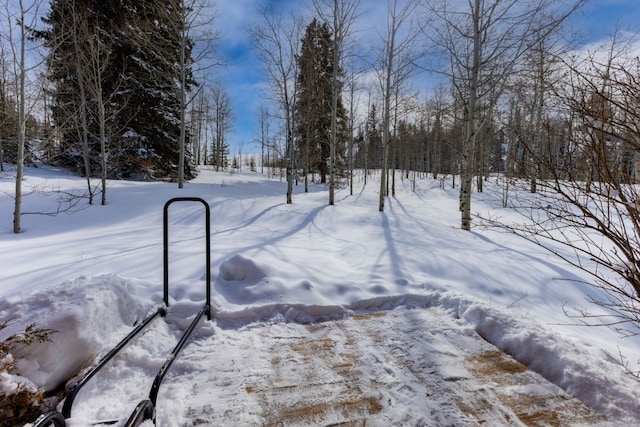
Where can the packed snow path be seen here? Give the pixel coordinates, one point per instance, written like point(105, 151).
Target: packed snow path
point(407, 366)
point(400, 367)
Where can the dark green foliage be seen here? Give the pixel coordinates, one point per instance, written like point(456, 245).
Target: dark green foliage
point(371, 152)
point(313, 106)
point(139, 41)
point(219, 157)
point(8, 128)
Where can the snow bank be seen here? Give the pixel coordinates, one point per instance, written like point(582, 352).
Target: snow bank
point(86, 313)
point(587, 373)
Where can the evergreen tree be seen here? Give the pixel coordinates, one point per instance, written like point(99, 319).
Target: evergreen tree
point(219, 154)
point(373, 138)
point(313, 107)
point(8, 128)
point(141, 43)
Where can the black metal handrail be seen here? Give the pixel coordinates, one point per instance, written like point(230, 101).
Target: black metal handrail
point(153, 394)
point(165, 229)
point(68, 402)
point(49, 418)
point(144, 411)
point(155, 388)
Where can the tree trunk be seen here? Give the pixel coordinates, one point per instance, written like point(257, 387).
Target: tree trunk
point(183, 107)
point(103, 143)
point(469, 149)
point(84, 127)
point(17, 212)
point(334, 100)
point(383, 181)
point(386, 117)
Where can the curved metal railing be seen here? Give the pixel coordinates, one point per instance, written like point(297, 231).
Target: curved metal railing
point(165, 229)
point(155, 388)
point(145, 410)
point(50, 418)
point(68, 401)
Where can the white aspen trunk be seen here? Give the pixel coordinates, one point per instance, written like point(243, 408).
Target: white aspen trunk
point(386, 115)
point(366, 154)
point(337, 45)
point(307, 160)
point(84, 130)
point(469, 148)
point(394, 147)
point(84, 133)
point(289, 146)
point(351, 142)
point(103, 142)
point(17, 212)
point(537, 132)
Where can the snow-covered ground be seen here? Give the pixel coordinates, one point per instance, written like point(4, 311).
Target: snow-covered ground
point(93, 272)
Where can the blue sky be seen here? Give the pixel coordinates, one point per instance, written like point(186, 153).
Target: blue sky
point(243, 76)
point(601, 15)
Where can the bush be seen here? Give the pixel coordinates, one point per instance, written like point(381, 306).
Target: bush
point(21, 401)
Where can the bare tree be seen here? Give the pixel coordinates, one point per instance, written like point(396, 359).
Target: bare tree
point(588, 214)
point(196, 44)
point(199, 116)
point(99, 54)
point(75, 33)
point(339, 15)
point(222, 123)
point(484, 42)
point(18, 45)
point(353, 87)
point(264, 135)
point(277, 41)
point(93, 48)
point(396, 65)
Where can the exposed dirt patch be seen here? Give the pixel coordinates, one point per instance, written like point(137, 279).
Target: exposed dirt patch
point(494, 364)
point(368, 316)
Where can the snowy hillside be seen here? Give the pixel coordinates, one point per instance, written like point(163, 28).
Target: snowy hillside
point(417, 289)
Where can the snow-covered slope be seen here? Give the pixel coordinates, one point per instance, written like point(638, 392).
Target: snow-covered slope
point(92, 273)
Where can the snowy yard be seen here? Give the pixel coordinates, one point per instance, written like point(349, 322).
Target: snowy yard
point(323, 315)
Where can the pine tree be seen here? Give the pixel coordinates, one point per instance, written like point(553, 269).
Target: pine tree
point(140, 80)
point(313, 107)
point(8, 128)
point(374, 138)
point(219, 154)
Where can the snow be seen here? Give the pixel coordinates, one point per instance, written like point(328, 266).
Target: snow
point(390, 289)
